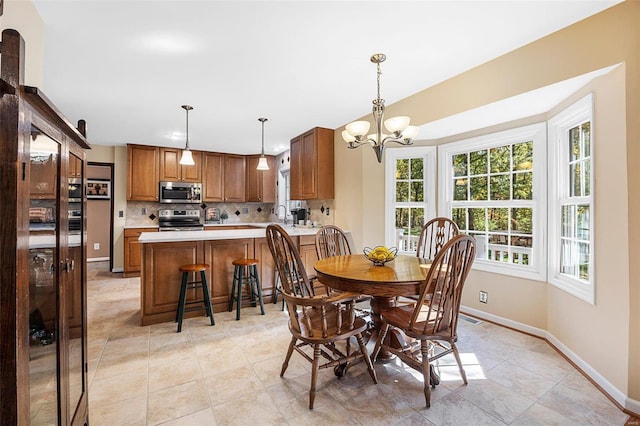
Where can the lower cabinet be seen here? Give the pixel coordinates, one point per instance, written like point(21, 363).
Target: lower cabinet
point(219, 254)
point(266, 269)
point(307, 248)
point(133, 251)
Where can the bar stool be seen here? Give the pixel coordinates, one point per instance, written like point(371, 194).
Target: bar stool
point(245, 271)
point(186, 285)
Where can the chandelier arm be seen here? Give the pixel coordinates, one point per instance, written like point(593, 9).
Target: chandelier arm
point(399, 140)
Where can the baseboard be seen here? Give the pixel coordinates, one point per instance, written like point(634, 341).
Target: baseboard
point(117, 269)
point(97, 259)
point(614, 393)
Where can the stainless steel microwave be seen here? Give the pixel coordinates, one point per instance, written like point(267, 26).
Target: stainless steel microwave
point(180, 192)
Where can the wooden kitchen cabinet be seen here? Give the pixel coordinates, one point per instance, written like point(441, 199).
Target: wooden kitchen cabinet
point(224, 177)
point(171, 170)
point(143, 175)
point(133, 251)
point(220, 254)
point(266, 268)
point(312, 165)
point(234, 178)
point(307, 249)
point(261, 184)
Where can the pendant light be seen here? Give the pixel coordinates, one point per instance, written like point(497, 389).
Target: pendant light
point(187, 157)
point(262, 162)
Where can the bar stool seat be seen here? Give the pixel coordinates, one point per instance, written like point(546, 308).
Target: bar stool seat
point(245, 271)
point(194, 285)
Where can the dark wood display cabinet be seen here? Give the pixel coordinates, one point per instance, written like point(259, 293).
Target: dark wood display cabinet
point(43, 332)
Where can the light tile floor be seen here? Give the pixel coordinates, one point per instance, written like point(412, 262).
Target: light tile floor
point(228, 374)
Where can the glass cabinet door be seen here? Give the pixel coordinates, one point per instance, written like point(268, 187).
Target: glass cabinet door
point(75, 297)
point(44, 323)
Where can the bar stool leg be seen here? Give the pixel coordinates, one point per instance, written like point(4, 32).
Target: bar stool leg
point(207, 297)
point(234, 282)
point(239, 292)
point(258, 289)
point(183, 299)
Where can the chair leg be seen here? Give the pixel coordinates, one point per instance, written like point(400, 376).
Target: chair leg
point(239, 296)
point(457, 355)
point(207, 297)
point(234, 282)
point(363, 349)
point(182, 301)
point(183, 289)
point(256, 282)
point(426, 372)
point(314, 374)
point(285, 364)
point(381, 336)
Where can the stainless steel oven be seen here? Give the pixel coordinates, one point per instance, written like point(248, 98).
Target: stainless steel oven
point(179, 220)
point(180, 192)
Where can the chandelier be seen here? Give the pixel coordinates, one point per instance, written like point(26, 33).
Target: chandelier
point(355, 134)
point(187, 157)
point(262, 162)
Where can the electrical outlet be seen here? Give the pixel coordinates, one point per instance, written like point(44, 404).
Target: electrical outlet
point(96, 246)
point(327, 211)
point(484, 297)
point(120, 213)
point(144, 210)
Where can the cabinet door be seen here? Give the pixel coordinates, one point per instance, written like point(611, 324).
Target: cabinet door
point(192, 173)
point(234, 178)
point(269, 181)
point(170, 164)
point(295, 190)
point(133, 251)
point(266, 269)
point(309, 166)
point(253, 180)
point(219, 254)
point(142, 173)
point(213, 181)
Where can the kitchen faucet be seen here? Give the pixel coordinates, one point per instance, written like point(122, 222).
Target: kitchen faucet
point(285, 213)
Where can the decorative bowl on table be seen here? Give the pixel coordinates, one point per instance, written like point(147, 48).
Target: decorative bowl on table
point(380, 255)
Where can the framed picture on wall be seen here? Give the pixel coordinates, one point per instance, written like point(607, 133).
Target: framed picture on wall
point(99, 189)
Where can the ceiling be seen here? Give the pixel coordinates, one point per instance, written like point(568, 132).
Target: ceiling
point(126, 67)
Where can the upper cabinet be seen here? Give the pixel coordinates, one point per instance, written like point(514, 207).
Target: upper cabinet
point(172, 170)
point(312, 165)
point(142, 173)
point(223, 177)
point(261, 184)
point(234, 188)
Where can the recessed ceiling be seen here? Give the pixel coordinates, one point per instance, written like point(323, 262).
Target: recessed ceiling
point(127, 66)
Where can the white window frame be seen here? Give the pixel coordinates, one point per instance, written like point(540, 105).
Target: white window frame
point(537, 269)
point(559, 126)
point(284, 192)
point(428, 154)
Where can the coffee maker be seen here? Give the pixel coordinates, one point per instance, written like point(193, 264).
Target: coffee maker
point(298, 212)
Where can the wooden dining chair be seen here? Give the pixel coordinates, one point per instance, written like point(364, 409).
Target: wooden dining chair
point(434, 235)
point(434, 319)
point(319, 322)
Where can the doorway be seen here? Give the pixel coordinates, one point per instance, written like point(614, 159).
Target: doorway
point(100, 212)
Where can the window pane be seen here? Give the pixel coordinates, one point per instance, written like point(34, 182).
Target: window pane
point(498, 219)
point(417, 191)
point(417, 221)
point(402, 192)
point(417, 168)
point(478, 186)
point(568, 259)
point(500, 189)
point(523, 156)
point(583, 249)
point(568, 221)
point(587, 178)
point(523, 186)
point(402, 169)
point(574, 141)
point(586, 139)
point(477, 217)
point(522, 220)
point(576, 180)
point(402, 218)
point(500, 158)
point(460, 189)
point(478, 162)
point(520, 241)
point(460, 165)
point(583, 222)
point(459, 216)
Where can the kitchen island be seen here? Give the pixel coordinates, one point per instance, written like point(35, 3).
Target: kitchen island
point(164, 252)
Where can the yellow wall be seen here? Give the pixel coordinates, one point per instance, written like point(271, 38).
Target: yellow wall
point(605, 336)
point(23, 17)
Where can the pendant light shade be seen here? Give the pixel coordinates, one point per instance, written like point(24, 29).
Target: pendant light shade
point(262, 162)
point(187, 157)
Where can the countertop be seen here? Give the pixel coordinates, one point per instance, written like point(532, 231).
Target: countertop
point(221, 234)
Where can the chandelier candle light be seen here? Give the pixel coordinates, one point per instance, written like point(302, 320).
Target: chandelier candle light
point(262, 162)
point(187, 157)
point(355, 134)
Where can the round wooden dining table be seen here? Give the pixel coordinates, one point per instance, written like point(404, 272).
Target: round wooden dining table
point(403, 276)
